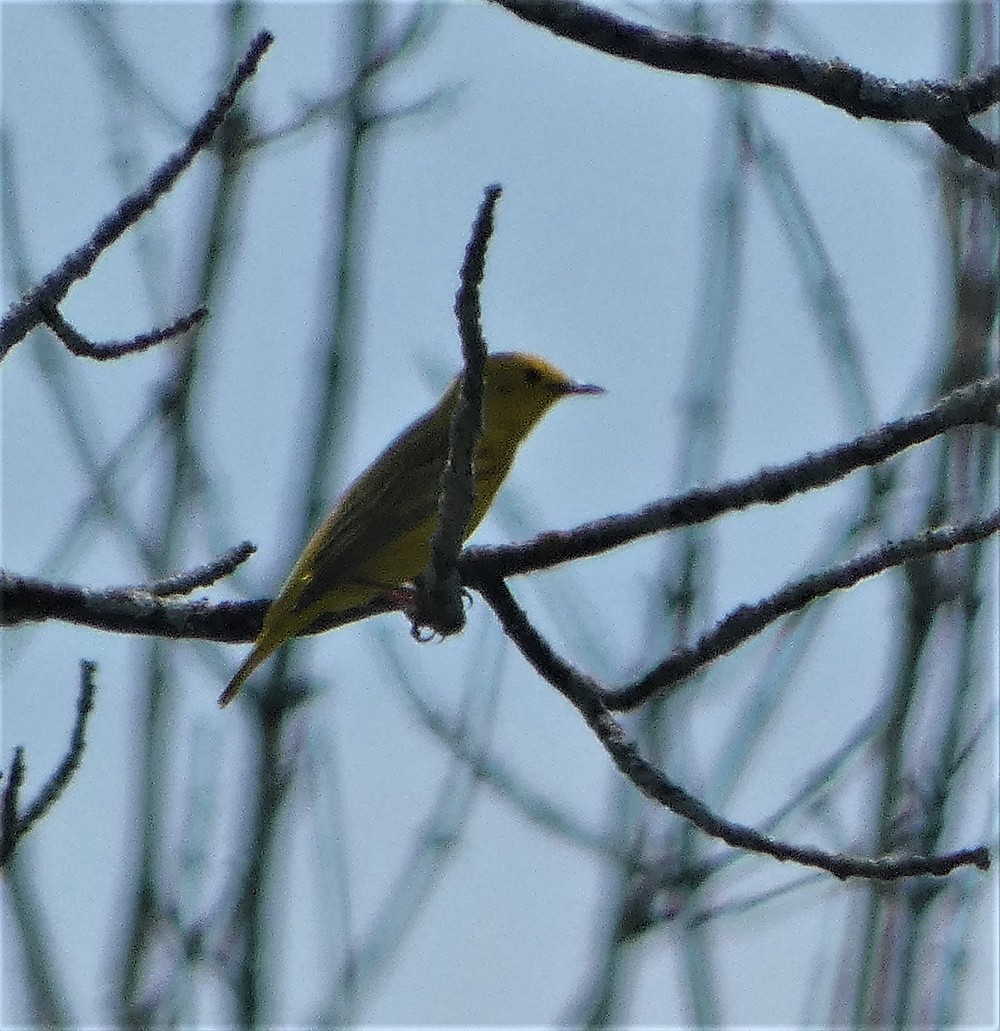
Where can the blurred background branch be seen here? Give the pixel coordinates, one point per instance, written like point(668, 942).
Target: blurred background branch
point(748, 292)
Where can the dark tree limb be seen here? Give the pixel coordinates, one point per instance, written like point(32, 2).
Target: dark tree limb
point(584, 695)
point(943, 106)
point(39, 306)
point(975, 405)
point(438, 601)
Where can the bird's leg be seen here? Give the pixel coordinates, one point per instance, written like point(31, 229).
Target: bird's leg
point(405, 599)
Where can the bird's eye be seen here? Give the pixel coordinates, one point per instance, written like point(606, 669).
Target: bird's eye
point(532, 376)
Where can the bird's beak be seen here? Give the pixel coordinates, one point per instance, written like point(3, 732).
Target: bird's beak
point(583, 388)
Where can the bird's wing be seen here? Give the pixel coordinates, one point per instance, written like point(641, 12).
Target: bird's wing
point(397, 494)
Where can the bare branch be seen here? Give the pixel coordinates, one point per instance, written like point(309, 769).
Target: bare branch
point(24, 599)
point(943, 106)
point(14, 826)
point(79, 345)
point(439, 602)
point(968, 141)
point(56, 784)
point(33, 309)
point(585, 697)
point(127, 610)
point(749, 620)
point(976, 404)
point(203, 576)
point(8, 809)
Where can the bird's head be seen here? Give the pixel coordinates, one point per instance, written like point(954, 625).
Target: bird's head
point(520, 389)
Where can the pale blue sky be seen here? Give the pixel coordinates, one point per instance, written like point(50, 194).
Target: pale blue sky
point(596, 263)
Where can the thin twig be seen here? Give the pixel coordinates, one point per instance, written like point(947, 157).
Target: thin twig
point(56, 784)
point(202, 576)
point(13, 826)
point(8, 809)
point(79, 345)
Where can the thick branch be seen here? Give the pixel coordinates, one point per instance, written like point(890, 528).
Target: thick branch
point(127, 610)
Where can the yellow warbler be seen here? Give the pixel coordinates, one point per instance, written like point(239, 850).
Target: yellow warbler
point(378, 536)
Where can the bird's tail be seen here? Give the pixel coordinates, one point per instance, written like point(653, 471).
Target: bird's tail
point(261, 650)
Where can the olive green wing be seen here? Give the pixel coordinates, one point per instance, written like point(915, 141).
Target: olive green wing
point(394, 496)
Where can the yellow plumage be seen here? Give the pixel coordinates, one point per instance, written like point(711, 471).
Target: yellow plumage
point(378, 536)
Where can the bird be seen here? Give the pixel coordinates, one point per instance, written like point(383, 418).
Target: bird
point(378, 536)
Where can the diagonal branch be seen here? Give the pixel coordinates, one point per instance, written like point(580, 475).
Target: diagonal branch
point(943, 106)
point(976, 404)
point(584, 695)
point(38, 304)
point(747, 621)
